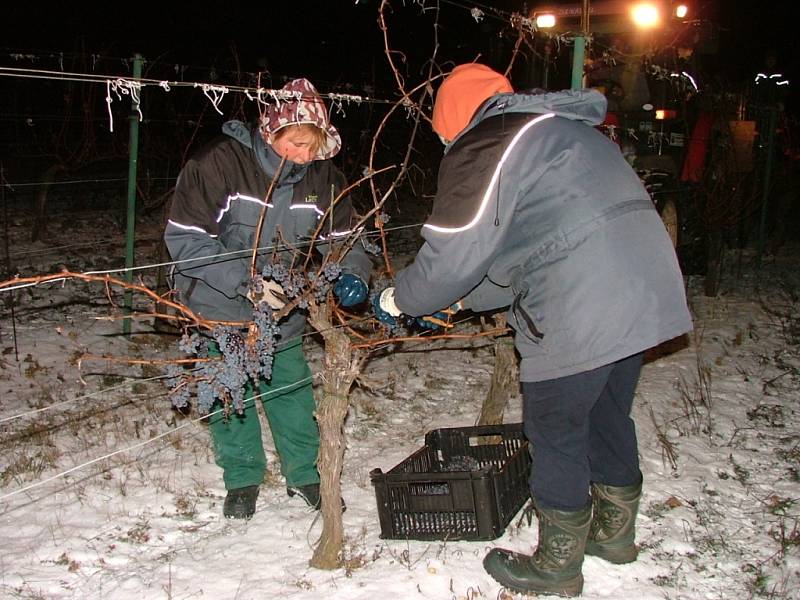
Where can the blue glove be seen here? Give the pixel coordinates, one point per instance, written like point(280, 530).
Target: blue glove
point(426, 323)
point(430, 321)
point(350, 289)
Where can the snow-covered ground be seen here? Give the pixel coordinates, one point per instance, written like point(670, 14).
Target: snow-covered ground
point(107, 492)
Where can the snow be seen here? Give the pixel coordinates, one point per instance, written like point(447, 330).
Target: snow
point(106, 492)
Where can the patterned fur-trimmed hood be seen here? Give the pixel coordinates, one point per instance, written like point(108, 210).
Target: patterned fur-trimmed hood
point(301, 103)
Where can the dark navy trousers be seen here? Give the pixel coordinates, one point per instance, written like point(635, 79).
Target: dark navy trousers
point(581, 431)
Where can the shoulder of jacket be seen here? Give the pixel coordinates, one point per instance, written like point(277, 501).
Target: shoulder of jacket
point(220, 145)
point(469, 172)
point(324, 168)
point(322, 172)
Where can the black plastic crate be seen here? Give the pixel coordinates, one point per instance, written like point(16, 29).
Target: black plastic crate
point(466, 483)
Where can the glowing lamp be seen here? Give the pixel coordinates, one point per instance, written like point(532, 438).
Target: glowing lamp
point(545, 21)
point(681, 11)
point(645, 15)
point(665, 115)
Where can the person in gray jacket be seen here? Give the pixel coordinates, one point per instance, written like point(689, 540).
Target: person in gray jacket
point(218, 202)
point(539, 212)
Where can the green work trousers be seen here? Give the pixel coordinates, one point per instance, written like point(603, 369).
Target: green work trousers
point(288, 403)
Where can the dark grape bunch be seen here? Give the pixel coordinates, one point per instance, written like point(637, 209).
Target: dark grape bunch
point(180, 392)
point(371, 247)
point(242, 355)
point(299, 286)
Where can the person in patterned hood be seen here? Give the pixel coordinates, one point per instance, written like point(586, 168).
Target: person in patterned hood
point(210, 235)
point(538, 212)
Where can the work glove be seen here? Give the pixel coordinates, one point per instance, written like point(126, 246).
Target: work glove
point(268, 291)
point(386, 312)
point(384, 307)
point(350, 289)
point(433, 322)
point(439, 318)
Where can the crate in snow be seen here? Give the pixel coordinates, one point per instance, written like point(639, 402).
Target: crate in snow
point(465, 483)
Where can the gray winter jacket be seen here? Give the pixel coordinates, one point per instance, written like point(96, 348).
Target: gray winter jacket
point(214, 215)
point(539, 212)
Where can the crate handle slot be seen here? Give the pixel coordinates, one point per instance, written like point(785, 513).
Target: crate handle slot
point(485, 440)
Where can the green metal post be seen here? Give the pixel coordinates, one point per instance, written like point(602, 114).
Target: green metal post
point(577, 62)
point(133, 160)
point(548, 48)
point(773, 117)
point(579, 52)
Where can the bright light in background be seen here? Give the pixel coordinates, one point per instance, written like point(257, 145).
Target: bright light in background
point(681, 11)
point(545, 21)
point(645, 15)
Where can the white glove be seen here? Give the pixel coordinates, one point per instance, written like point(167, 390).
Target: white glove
point(387, 304)
point(271, 293)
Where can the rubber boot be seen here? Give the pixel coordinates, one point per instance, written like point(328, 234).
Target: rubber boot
point(613, 529)
point(241, 502)
point(555, 566)
point(309, 493)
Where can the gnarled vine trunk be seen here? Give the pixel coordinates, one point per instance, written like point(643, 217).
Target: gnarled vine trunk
point(341, 366)
point(504, 378)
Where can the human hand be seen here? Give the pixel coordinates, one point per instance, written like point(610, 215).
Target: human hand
point(268, 291)
point(384, 307)
point(350, 289)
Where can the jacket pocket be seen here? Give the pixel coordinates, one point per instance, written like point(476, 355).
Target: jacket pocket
point(522, 316)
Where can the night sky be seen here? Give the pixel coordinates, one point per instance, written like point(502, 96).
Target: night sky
point(335, 42)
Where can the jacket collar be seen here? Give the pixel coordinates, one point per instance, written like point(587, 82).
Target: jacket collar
point(587, 106)
point(267, 158)
point(270, 161)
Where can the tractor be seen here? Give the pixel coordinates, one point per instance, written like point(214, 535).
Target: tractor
point(641, 56)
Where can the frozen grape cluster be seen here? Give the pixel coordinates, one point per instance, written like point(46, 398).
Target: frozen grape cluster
point(257, 285)
point(457, 463)
point(179, 390)
point(297, 285)
point(371, 247)
point(293, 283)
point(189, 343)
point(232, 357)
point(320, 283)
point(331, 271)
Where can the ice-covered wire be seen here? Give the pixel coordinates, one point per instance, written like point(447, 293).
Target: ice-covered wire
point(337, 101)
point(215, 93)
point(123, 87)
point(70, 182)
point(76, 398)
point(194, 259)
point(137, 380)
point(141, 444)
point(482, 10)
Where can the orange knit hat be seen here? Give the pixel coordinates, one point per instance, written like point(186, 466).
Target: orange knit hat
point(460, 95)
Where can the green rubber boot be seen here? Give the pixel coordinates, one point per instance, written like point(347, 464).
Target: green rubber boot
point(555, 567)
point(611, 536)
